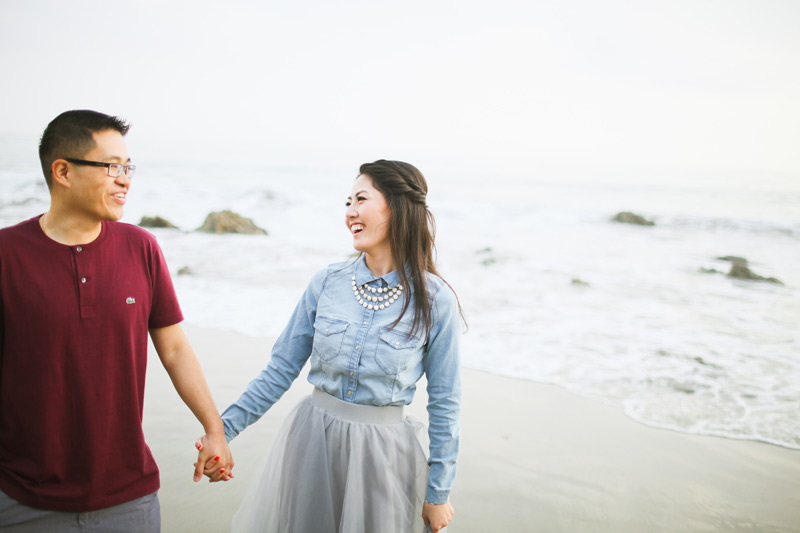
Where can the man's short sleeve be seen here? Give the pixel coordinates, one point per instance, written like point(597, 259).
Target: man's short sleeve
point(165, 310)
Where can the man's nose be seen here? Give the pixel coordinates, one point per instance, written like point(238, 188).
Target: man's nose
point(124, 179)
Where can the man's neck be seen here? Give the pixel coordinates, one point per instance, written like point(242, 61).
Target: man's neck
point(69, 230)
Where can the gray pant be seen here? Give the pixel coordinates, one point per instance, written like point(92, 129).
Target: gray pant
point(142, 515)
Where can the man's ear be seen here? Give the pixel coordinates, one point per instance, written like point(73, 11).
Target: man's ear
point(60, 173)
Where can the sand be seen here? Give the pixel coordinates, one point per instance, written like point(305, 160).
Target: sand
point(533, 458)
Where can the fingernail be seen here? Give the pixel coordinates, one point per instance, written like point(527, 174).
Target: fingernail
point(221, 470)
point(199, 446)
point(216, 458)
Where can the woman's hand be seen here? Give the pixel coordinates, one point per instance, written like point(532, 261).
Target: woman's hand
point(437, 516)
point(213, 459)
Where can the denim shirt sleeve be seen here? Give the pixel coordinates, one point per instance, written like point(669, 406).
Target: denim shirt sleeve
point(441, 364)
point(290, 353)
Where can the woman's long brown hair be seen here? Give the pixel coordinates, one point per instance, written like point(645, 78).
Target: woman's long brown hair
point(412, 230)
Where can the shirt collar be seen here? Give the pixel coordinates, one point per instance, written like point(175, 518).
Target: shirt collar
point(363, 275)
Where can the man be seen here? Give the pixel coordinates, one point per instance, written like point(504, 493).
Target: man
point(78, 293)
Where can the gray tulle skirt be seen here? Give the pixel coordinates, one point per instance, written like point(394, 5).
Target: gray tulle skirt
point(337, 467)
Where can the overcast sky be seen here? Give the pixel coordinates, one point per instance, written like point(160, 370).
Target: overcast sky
point(700, 84)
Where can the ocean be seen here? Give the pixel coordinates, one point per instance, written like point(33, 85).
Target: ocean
point(553, 290)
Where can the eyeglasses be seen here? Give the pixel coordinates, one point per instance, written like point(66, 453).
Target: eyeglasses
point(114, 170)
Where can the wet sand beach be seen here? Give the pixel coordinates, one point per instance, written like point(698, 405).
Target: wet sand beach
point(533, 458)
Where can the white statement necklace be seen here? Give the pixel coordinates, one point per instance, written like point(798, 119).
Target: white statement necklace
point(376, 297)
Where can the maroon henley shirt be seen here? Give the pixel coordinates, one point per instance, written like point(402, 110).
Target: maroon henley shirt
point(74, 326)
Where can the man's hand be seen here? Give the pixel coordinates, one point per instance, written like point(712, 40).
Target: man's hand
point(214, 459)
point(437, 516)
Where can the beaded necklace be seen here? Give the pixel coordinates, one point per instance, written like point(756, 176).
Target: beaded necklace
point(378, 297)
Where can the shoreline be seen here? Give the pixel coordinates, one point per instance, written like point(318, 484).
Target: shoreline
point(533, 457)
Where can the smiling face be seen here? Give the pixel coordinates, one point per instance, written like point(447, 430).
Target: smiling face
point(93, 193)
point(367, 217)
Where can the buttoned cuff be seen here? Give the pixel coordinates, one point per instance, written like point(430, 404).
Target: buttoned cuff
point(437, 497)
point(230, 433)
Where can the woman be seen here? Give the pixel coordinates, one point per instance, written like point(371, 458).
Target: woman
point(346, 459)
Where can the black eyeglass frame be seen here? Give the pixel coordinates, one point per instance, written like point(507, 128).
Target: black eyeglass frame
point(128, 170)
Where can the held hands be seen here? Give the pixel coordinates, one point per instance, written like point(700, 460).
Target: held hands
point(213, 459)
point(437, 516)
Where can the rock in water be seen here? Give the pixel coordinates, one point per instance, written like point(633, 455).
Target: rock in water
point(157, 222)
point(229, 222)
point(632, 218)
point(732, 258)
point(740, 270)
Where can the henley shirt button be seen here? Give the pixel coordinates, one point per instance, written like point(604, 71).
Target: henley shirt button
point(365, 323)
point(349, 392)
point(356, 347)
point(83, 280)
point(78, 249)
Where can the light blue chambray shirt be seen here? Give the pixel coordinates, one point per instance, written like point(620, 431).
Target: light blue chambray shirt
point(356, 357)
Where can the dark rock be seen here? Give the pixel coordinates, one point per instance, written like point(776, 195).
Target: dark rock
point(632, 218)
point(229, 222)
point(488, 259)
point(704, 270)
point(579, 282)
point(732, 258)
point(740, 270)
point(184, 271)
point(157, 222)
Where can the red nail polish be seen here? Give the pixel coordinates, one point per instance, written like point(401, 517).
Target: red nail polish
point(221, 470)
point(216, 458)
point(199, 446)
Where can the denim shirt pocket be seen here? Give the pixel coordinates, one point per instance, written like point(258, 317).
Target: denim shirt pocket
point(328, 337)
point(395, 350)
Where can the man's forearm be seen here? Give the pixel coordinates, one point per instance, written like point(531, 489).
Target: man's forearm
point(187, 376)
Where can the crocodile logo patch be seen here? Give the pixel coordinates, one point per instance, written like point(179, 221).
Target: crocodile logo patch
point(130, 300)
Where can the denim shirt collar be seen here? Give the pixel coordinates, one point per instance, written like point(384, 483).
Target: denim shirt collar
point(363, 275)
